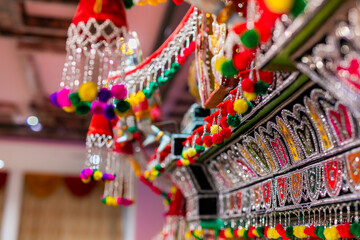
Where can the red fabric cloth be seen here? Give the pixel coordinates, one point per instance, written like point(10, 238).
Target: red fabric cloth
point(99, 125)
point(77, 187)
point(111, 9)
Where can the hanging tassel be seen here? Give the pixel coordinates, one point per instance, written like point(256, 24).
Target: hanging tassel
point(344, 230)
point(97, 6)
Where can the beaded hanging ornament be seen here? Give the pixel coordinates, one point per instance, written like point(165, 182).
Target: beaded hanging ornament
point(94, 50)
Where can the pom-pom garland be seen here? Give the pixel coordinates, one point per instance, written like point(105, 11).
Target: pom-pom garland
point(89, 174)
point(88, 91)
point(119, 91)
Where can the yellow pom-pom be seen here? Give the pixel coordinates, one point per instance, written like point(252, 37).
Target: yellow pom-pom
point(241, 232)
point(154, 173)
point(279, 7)
point(87, 180)
point(241, 106)
point(146, 174)
point(219, 62)
point(250, 96)
point(191, 152)
point(198, 232)
point(69, 109)
point(188, 235)
point(272, 233)
point(228, 233)
point(184, 154)
point(153, 2)
point(166, 202)
point(185, 162)
point(331, 233)
point(215, 129)
point(255, 233)
point(140, 97)
point(299, 232)
point(108, 201)
point(132, 99)
point(98, 175)
point(173, 190)
point(88, 91)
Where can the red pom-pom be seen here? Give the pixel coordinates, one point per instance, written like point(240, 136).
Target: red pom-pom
point(265, 30)
point(280, 229)
point(178, 2)
point(247, 85)
point(226, 133)
point(208, 140)
point(181, 59)
point(187, 52)
point(250, 232)
point(199, 141)
point(223, 122)
point(265, 231)
point(267, 77)
point(242, 60)
point(217, 138)
point(179, 163)
point(344, 230)
point(137, 136)
point(230, 108)
point(310, 231)
point(239, 28)
point(192, 46)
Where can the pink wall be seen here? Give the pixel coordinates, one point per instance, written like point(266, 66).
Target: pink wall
point(149, 213)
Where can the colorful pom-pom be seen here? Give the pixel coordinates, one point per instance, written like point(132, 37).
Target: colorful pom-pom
point(234, 120)
point(199, 141)
point(228, 69)
point(250, 38)
point(217, 138)
point(98, 108)
point(242, 60)
point(250, 108)
point(241, 106)
point(63, 98)
point(290, 231)
point(187, 52)
point(147, 92)
point(74, 98)
point(215, 129)
point(181, 59)
point(230, 108)
point(83, 108)
point(219, 62)
point(98, 175)
point(250, 96)
point(104, 95)
point(199, 148)
point(279, 7)
point(176, 66)
point(226, 133)
point(207, 141)
point(331, 233)
point(298, 7)
point(53, 99)
point(261, 231)
point(272, 233)
point(355, 229)
point(247, 85)
point(119, 91)
point(123, 106)
point(153, 86)
point(191, 152)
point(261, 88)
point(169, 73)
point(162, 80)
point(69, 109)
point(319, 231)
point(128, 4)
point(109, 112)
point(88, 91)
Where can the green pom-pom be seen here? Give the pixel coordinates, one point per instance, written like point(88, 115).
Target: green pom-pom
point(298, 7)
point(148, 93)
point(153, 86)
point(250, 39)
point(176, 66)
point(158, 167)
point(83, 108)
point(122, 106)
point(319, 231)
point(103, 200)
point(133, 129)
point(261, 231)
point(246, 235)
point(234, 120)
point(290, 231)
point(261, 88)
point(355, 229)
point(228, 69)
point(162, 80)
point(199, 148)
point(128, 4)
point(250, 107)
point(169, 73)
point(74, 98)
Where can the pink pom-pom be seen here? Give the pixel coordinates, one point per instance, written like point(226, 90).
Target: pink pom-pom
point(97, 108)
point(63, 97)
point(82, 176)
point(119, 91)
point(127, 202)
point(119, 200)
point(88, 172)
point(111, 177)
